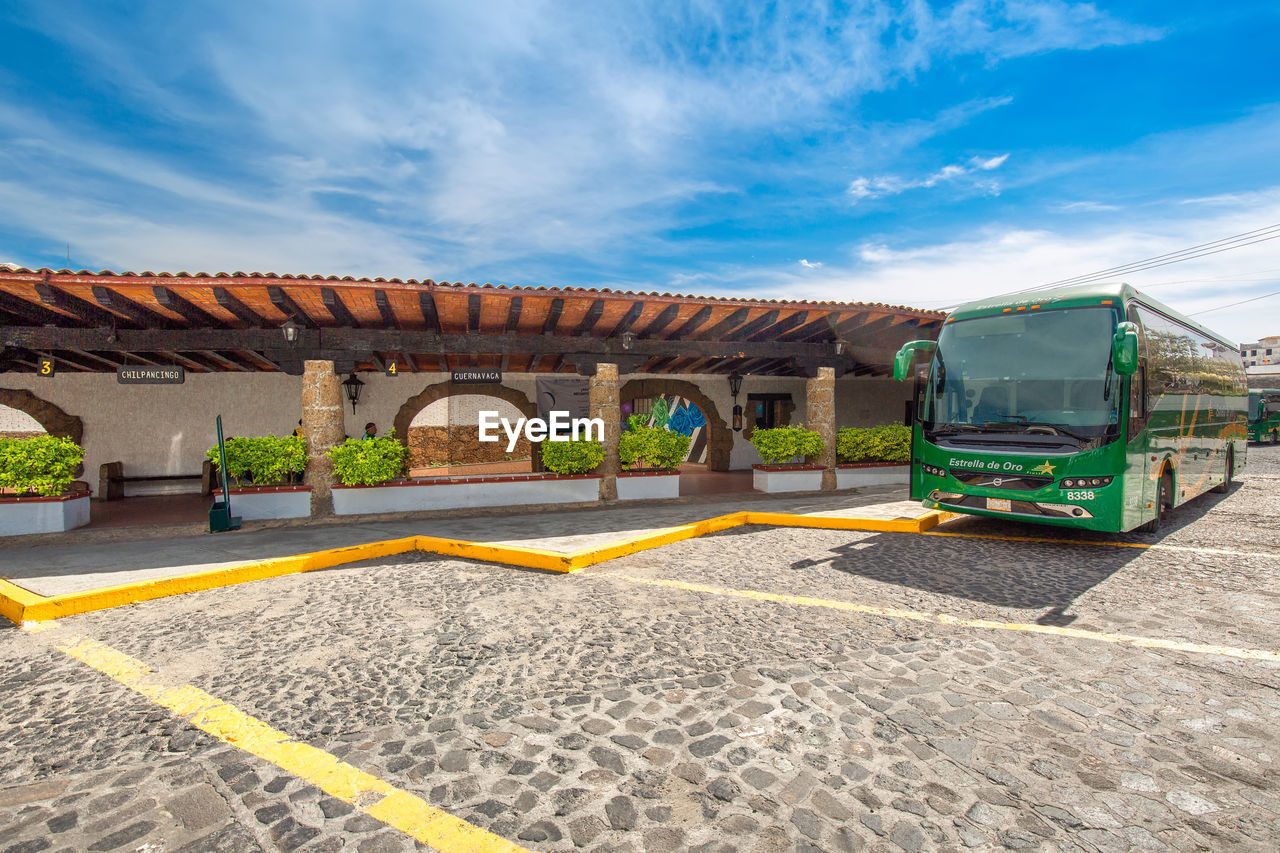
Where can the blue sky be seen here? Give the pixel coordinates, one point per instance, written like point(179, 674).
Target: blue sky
point(906, 153)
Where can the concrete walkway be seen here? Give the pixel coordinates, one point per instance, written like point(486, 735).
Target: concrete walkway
point(59, 568)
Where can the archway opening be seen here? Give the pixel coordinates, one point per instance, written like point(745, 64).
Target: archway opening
point(444, 438)
point(440, 426)
point(15, 423)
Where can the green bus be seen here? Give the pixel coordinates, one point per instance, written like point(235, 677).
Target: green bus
point(1264, 415)
point(1087, 406)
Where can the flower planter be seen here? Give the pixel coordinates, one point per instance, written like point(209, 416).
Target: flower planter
point(852, 474)
point(23, 515)
point(648, 485)
point(255, 503)
point(786, 478)
point(443, 493)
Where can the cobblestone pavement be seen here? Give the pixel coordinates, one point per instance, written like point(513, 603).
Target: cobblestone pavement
point(591, 711)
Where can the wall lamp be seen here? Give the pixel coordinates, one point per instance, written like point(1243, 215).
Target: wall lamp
point(735, 385)
point(290, 331)
point(352, 386)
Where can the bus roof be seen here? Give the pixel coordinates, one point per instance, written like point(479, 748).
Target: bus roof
point(1075, 296)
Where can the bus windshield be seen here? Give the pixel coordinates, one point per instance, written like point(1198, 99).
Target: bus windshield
point(1045, 372)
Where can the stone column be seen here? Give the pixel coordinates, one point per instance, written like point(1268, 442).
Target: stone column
point(820, 416)
point(323, 426)
point(604, 405)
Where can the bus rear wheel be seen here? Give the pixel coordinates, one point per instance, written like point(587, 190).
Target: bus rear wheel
point(1164, 504)
point(1225, 485)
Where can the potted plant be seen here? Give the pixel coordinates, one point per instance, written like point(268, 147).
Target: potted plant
point(873, 456)
point(370, 474)
point(264, 473)
point(651, 460)
point(36, 485)
point(782, 450)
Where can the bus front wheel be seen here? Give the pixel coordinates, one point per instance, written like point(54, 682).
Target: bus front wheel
point(1164, 504)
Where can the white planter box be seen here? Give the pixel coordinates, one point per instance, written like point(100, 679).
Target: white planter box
point(638, 487)
point(20, 516)
point(259, 504)
point(895, 474)
point(770, 479)
point(475, 492)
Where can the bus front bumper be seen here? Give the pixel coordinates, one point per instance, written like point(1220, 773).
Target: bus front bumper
point(1007, 506)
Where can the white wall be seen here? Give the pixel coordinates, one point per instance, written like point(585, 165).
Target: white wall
point(870, 401)
point(462, 410)
point(166, 429)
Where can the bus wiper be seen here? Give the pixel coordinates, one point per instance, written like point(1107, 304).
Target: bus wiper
point(942, 429)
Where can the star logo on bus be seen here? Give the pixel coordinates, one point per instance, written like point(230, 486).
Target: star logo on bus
point(1046, 468)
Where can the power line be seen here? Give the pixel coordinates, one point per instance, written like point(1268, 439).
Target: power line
point(1234, 304)
point(1213, 247)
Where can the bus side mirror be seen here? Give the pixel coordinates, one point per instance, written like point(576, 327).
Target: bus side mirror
point(1124, 348)
point(902, 361)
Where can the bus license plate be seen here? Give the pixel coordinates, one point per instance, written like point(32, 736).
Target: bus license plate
point(1000, 503)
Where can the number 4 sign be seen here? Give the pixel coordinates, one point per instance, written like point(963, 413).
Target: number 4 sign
point(393, 368)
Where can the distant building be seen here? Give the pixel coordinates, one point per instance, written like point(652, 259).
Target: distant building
point(1265, 351)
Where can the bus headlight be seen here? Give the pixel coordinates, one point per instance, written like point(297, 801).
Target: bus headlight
point(1085, 482)
point(933, 470)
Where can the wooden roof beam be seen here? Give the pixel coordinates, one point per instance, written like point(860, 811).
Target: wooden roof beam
point(235, 306)
point(628, 319)
point(688, 326)
point(29, 311)
point(285, 303)
point(762, 322)
point(780, 328)
point(427, 304)
point(735, 319)
point(664, 319)
point(514, 307)
point(590, 319)
point(389, 318)
point(139, 314)
point(474, 307)
point(81, 308)
point(193, 314)
point(334, 305)
point(553, 316)
point(221, 361)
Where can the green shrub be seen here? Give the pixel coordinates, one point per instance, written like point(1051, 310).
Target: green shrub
point(653, 448)
point(265, 460)
point(368, 462)
point(572, 457)
point(44, 464)
point(890, 443)
point(784, 443)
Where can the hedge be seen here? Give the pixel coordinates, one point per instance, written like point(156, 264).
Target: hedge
point(572, 457)
point(650, 447)
point(891, 443)
point(368, 461)
point(782, 444)
point(265, 460)
point(44, 464)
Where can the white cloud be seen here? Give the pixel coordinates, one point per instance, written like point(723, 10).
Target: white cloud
point(1000, 259)
point(812, 265)
point(887, 185)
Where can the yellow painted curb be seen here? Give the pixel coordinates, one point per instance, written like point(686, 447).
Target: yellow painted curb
point(373, 796)
point(22, 606)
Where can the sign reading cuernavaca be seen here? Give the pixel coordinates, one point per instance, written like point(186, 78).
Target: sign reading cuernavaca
point(150, 375)
point(477, 376)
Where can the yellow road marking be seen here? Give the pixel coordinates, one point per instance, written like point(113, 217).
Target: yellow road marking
point(24, 607)
point(956, 621)
point(373, 796)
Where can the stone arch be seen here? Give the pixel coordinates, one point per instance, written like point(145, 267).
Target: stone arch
point(54, 420)
point(441, 390)
point(719, 436)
